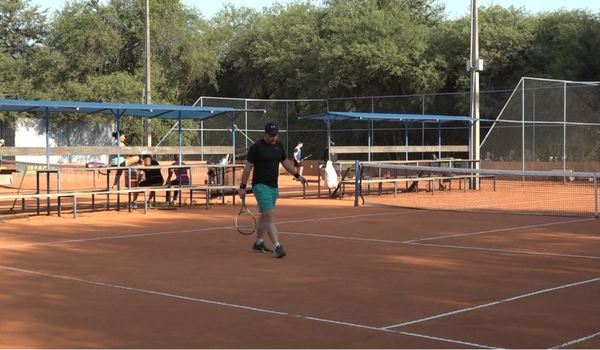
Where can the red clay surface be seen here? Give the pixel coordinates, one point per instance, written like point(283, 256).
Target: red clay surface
point(353, 278)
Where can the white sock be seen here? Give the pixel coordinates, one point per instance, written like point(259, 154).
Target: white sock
point(277, 244)
point(260, 241)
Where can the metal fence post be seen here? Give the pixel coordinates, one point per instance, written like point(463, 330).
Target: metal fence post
point(596, 196)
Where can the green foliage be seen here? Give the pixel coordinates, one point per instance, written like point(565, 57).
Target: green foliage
point(22, 27)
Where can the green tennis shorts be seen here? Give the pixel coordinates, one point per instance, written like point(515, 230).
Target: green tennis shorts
point(266, 196)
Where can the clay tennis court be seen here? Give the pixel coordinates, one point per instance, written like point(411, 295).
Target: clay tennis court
point(353, 278)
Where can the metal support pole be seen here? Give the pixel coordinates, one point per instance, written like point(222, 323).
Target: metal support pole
point(180, 139)
point(523, 126)
point(287, 126)
point(596, 196)
point(533, 130)
point(357, 182)
point(246, 122)
point(423, 125)
point(370, 141)
point(148, 84)
point(118, 139)
point(232, 138)
point(201, 134)
point(371, 129)
point(328, 139)
point(47, 120)
point(439, 140)
point(405, 141)
point(202, 138)
point(565, 126)
point(475, 67)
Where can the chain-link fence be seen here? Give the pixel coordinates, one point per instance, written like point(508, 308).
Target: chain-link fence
point(546, 125)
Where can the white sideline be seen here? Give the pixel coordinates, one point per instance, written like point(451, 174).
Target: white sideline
point(499, 230)
point(573, 342)
point(501, 250)
point(494, 303)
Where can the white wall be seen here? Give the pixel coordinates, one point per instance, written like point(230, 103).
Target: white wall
point(30, 132)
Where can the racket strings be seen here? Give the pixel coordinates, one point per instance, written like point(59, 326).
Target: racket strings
point(245, 223)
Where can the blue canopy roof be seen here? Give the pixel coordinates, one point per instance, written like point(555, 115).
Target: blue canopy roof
point(399, 117)
point(119, 109)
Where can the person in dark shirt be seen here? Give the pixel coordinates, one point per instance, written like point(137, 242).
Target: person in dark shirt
point(264, 157)
point(152, 177)
point(181, 178)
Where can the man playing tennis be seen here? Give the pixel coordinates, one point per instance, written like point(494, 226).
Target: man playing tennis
point(265, 156)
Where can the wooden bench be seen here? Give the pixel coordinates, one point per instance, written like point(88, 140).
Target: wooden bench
point(208, 189)
point(145, 190)
point(48, 196)
point(415, 180)
point(312, 181)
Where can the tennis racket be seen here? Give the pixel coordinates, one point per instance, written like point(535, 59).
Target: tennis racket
point(245, 222)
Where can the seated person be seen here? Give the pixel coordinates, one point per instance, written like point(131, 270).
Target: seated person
point(121, 161)
point(181, 178)
point(152, 177)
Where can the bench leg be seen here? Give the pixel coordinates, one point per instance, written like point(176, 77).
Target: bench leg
point(74, 207)
point(207, 198)
point(118, 198)
point(59, 207)
point(145, 202)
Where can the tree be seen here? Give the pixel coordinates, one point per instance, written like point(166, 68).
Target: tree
point(567, 45)
point(90, 45)
point(22, 27)
point(377, 47)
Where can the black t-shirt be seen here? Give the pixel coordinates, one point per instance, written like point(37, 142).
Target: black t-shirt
point(153, 175)
point(266, 159)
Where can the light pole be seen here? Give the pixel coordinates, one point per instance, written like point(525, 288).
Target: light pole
point(147, 87)
point(474, 66)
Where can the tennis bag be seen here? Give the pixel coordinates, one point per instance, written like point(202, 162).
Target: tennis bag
point(331, 177)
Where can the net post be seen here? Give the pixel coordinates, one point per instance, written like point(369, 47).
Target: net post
point(357, 183)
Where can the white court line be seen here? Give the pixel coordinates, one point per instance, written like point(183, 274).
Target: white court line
point(573, 342)
point(499, 230)
point(516, 251)
point(396, 212)
point(523, 296)
point(342, 237)
point(237, 306)
point(138, 235)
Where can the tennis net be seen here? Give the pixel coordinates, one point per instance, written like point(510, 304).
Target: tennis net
point(484, 190)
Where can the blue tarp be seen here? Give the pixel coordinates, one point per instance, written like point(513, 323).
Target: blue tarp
point(399, 117)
